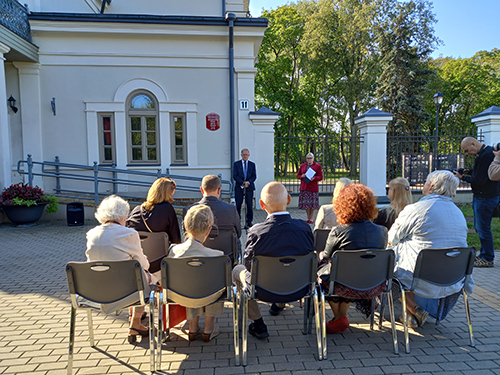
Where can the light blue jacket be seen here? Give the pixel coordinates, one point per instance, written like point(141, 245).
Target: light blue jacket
point(432, 222)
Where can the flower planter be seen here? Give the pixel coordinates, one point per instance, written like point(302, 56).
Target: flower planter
point(24, 214)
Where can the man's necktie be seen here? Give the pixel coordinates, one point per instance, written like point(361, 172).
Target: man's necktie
point(245, 169)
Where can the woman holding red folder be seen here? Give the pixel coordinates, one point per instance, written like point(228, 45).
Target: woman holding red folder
point(310, 173)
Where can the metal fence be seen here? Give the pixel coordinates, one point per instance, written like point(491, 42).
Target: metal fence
point(332, 152)
point(413, 155)
point(96, 181)
point(14, 17)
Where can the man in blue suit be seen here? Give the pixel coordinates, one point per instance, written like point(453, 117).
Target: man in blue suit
point(244, 174)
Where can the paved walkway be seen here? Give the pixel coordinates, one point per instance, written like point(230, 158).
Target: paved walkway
point(34, 326)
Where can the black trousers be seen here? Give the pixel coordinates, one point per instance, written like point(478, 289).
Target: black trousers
point(246, 195)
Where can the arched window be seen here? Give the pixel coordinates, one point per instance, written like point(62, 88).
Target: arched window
point(143, 129)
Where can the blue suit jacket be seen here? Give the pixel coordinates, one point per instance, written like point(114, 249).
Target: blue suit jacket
point(239, 176)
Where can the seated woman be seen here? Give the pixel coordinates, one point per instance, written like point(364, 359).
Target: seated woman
point(355, 207)
point(326, 218)
point(433, 222)
point(400, 196)
point(113, 241)
point(157, 214)
point(197, 224)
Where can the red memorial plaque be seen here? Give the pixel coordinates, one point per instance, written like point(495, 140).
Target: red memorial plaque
point(213, 121)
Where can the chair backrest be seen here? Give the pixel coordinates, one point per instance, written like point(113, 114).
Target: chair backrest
point(155, 245)
point(320, 237)
point(105, 281)
point(284, 275)
point(444, 267)
point(362, 269)
point(222, 239)
point(195, 277)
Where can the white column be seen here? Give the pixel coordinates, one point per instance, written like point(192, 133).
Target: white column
point(263, 153)
point(5, 154)
point(31, 112)
point(488, 123)
point(373, 149)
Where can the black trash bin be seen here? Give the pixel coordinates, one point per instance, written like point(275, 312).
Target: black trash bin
point(75, 213)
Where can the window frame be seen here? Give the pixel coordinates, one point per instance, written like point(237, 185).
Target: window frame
point(173, 146)
point(143, 114)
point(102, 146)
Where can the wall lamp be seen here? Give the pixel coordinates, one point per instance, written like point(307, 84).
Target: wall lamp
point(12, 104)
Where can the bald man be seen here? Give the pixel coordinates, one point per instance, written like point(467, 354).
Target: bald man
point(279, 235)
point(485, 197)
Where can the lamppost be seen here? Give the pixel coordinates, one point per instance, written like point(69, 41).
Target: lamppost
point(438, 99)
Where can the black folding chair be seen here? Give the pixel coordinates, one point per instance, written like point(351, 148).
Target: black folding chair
point(320, 237)
point(225, 240)
point(282, 278)
point(104, 285)
point(441, 267)
point(363, 270)
point(195, 282)
point(155, 246)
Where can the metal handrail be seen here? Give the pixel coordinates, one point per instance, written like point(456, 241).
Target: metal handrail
point(97, 179)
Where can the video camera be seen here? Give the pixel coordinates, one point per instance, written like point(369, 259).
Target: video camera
point(458, 170)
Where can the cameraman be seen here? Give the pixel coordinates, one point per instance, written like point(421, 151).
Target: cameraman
point(485, 197)
point(494, 168)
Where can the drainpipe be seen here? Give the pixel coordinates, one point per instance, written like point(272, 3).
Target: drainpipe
point(223, 8)
point(231, 17)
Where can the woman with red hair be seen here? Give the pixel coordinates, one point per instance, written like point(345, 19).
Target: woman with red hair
point(355, 207)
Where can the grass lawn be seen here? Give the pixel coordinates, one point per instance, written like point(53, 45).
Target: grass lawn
point(473, 238)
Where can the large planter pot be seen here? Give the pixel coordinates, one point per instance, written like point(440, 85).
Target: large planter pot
point(24, 214)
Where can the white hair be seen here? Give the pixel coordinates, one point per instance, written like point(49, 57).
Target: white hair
point(310, 154)
point(112, 208)
point(443, 183)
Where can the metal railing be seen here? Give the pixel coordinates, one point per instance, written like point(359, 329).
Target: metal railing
point(411, 155)
point(98, 175)
point(14, 17)
point(332, 152)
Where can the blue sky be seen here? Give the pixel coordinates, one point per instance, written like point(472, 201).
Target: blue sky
point(465, 26)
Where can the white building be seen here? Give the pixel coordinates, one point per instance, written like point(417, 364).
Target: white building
point(132, 82)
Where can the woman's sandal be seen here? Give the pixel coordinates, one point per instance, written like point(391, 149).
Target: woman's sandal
point(139, 332)
point(192, 335)
point(209, 336)
point(143, 316)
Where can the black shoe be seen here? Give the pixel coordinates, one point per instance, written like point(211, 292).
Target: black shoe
point(260, 331)
point(245, 227)
point(249, 225)
point(275, 309)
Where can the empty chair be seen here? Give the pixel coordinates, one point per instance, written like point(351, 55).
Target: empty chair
point(364, 270)
point(196, 282)
point(441, 267)
point(155, 246)
point(224, 240)
point(124, 287)
point(282, 280)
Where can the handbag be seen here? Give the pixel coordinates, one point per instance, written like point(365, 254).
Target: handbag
point(177, 314)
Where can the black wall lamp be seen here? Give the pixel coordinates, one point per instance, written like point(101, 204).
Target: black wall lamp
point(12, 104)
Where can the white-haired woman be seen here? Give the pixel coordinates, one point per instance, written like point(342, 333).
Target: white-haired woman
point(112, 240)
point(326, 218)
point(433, 222)
point(309, 196)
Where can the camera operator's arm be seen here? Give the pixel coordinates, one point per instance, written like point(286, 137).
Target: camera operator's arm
point(494, 168)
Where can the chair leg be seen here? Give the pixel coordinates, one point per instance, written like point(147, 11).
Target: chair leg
point(152, 342)
point(244, 327)
point(319, 339)
point(72, 324)
point(382, 312)
point(91, 327)
point(305, 308)
point(469, 321)
point(236, 329)
point(405, 320)
point(323, 323)
point(393, 323)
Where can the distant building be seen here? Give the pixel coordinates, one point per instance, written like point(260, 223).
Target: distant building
point(137, 83)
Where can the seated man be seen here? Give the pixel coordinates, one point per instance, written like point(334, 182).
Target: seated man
point(225, 214)
point(279, 235)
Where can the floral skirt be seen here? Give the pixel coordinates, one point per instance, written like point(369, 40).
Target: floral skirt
point(309, 200)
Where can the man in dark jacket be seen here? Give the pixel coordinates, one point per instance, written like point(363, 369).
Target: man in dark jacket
point(485, 197)
point(279, 235)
